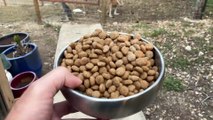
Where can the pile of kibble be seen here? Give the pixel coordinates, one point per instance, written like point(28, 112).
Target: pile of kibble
point(111, 65)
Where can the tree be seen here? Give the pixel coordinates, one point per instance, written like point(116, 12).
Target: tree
point(199, 9)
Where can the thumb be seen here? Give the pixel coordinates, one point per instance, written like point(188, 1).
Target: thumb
point(56, 79)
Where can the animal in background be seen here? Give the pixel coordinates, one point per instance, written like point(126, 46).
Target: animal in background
point(113, 4)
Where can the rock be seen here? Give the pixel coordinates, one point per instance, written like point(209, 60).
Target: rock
point(46, 63)
point(115, 23)
point(188, 48)
point(212, 67)
point(200, 53)
point(147, 113)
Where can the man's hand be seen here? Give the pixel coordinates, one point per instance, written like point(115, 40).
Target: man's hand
point(37, 101)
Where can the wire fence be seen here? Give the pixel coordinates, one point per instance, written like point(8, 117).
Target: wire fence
point(30, 2)
point(16, 2)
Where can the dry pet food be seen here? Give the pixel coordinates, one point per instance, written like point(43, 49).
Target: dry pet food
point(111, 65)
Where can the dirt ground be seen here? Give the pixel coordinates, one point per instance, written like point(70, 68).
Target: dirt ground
point(187, 47)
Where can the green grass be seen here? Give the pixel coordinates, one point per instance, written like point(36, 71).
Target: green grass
point(172, 84)
point(185, 24)
point(168, 46)
point(201, 44)
point(210, 3)
point(157, 32)
point(49, 25)
point(209, 6)
point(199, 60)
point(188, 33)
point(210, 30)
point(180, 62)
point(141, 25)
point(209, 48)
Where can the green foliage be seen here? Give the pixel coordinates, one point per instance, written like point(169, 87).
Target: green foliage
point(158, 32)
point(180, 62)
point(17, 39)
point(20, 49)
point(172, 84)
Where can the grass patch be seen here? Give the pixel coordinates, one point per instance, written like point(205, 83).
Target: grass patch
point(180, 62)
point(209, 7)
point(168, 46)
point(210, 4)
point(210, 30)
point(172, 35)
point(199, 60)
point(158, 32)
point(188, 33)
point(200, 43)
point(142, 25)
point(47, 25)
point(185, 24)
point(172, 84)
point(209, 48)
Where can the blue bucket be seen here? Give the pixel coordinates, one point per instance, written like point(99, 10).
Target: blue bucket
point(28, 62)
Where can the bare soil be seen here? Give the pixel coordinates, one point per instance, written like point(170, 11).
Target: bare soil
point(185, 44)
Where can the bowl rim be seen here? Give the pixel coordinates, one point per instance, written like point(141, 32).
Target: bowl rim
point(11, 49)
point(157, 81)
point(11, 34)
point(20, 75)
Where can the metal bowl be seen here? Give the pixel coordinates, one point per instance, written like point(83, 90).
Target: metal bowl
point(115, 108)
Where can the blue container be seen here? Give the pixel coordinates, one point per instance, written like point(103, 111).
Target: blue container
point(28, 62)
point(7, 40)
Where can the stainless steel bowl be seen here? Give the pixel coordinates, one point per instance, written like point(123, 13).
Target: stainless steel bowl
point(115, 108)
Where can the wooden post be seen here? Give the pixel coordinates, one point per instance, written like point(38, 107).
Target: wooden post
point(5, 4)
point(5, 89)
point(103, 6)
point(199, 9)
point(42, 3)
point(37, 10)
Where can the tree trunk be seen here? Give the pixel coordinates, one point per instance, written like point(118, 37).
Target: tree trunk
point(199, 9)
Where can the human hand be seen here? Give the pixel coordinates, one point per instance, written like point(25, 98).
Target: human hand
point(37, 101)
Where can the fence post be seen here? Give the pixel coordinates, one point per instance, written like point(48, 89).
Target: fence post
point(5, 90)
point(5, 4)
point(103, 6)
point(37, 10)
point(199, 9)
point(42, 3)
